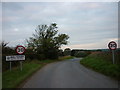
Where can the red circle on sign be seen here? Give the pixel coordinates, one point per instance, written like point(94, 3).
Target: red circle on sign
point(20, 49)
point(112, 45)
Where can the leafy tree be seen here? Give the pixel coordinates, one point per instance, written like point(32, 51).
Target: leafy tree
point(74, 51)
point(46, 40)
point(6, 49)
point(60, 52)
point(4, 44)
point(67, 51)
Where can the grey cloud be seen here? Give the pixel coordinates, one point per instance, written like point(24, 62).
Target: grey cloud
point(83, 22)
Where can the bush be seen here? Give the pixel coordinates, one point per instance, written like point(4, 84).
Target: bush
point(51, 54)
point(35, 56)
point(81, 54)
point(40, 56)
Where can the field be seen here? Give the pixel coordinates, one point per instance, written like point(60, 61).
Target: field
point(102, 62)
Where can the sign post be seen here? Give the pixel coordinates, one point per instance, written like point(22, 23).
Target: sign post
point(10, 65)
point(20, 50)
point(113, 56)
point(21, 65)
point(112, 46)
point(15, 58)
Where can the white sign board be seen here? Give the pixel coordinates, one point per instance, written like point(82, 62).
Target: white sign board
point(15, 58)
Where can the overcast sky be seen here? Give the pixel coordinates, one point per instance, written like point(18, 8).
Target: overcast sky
point(90, 25)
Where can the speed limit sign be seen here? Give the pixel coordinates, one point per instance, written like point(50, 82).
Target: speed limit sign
point(112, 45)
point(20, 49)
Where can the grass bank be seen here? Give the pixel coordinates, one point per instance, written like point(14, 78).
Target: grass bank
point(66, 57)
point(101, 62)
point(13, 78)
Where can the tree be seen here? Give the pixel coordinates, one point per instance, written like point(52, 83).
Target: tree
point(6, 49)
point(46, 40)
point(60, 52)
point(67, 51)
point(3, 44)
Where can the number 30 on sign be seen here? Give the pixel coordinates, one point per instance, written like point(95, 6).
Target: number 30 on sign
point(112, 45)
point(20, 49)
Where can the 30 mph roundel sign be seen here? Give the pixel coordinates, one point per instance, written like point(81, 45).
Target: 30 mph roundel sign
point(20, 49)
point(112, 45)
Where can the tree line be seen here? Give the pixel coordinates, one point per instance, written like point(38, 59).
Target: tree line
point(45, 43)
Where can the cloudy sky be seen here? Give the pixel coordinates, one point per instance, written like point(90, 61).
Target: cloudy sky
point(90, 25)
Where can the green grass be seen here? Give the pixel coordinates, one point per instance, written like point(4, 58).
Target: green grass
point(98, 62)
point(66, 57)
point(13, 78)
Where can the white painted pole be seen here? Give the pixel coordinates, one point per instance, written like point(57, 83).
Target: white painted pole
point(113, 56)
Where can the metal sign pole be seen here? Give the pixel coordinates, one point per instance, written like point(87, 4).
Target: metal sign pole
point(21, 65)
point(112, 46)
point(113, 56)
point(10, 65)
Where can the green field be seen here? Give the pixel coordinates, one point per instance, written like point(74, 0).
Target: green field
point(102, 62)
point(13, 78)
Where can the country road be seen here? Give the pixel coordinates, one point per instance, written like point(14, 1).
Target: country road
point(68, 74)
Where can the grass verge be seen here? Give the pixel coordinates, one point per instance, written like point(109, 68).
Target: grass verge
point(13, 78)
point(66, 57)
point(95, 62)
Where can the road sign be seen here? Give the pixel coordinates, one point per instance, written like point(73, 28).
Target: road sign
point(15, 58)
point(112, 45)
point(20, 49)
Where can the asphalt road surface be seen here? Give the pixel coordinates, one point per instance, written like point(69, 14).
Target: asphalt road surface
point(68, 74)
